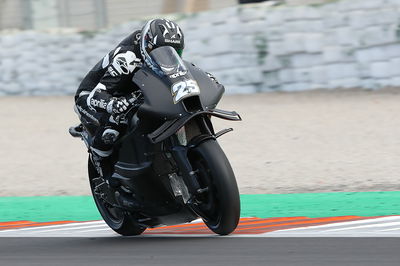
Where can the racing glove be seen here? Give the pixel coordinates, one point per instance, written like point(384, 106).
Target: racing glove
point(117, 106)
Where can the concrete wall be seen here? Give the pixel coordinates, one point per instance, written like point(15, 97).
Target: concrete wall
point(11, 15)
point(343, 44)
point(92, 14)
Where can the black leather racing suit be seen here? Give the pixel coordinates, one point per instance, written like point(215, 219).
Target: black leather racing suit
point(110, 77)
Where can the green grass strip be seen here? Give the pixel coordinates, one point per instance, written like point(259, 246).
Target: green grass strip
point(45, 209)
point(82, 208)
point(321, 204)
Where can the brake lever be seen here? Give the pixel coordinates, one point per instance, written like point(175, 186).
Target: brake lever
point(135, 96)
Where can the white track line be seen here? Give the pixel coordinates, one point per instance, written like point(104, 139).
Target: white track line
point(64, 229)
point(339, 224)
point(96, 230)
point(52, 226)
point(375, 225)
point(391, 229)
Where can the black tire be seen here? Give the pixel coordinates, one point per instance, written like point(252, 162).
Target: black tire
point(221, 203)
point(118, 220)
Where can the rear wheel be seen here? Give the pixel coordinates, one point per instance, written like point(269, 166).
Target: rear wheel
point(119, 220)
point(220, 205)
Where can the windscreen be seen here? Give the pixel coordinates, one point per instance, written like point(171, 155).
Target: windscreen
point(168, 61)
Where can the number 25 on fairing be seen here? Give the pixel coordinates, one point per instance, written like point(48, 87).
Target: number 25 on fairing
point(184, 89)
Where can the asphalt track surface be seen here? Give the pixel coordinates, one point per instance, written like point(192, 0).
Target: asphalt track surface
point(93, 243)
point(199, 251)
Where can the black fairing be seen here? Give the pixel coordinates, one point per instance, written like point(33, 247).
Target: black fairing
point(210, 92)
point(159, 103)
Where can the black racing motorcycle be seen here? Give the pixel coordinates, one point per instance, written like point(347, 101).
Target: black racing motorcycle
point(168, 168)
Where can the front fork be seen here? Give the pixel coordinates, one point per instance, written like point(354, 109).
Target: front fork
point(180, 151)
point(180, 155)
point(180, 148)
point(190, 176)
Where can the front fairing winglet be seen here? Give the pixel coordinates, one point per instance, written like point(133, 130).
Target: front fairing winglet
point(172, 126)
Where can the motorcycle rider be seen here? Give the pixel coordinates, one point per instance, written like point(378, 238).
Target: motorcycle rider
point(101, 96)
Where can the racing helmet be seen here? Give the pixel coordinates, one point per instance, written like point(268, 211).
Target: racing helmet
point(157, 33)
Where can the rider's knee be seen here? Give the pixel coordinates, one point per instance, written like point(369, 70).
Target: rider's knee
point(110, 136)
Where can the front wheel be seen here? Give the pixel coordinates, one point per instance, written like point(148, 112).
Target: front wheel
point(117, 219)
point(220, 204)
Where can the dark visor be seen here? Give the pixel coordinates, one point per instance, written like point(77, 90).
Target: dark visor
point(168, 60)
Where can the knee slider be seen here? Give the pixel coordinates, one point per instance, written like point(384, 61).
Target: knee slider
point(110, 136)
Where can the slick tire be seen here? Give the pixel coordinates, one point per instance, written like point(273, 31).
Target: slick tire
point(221, 203)
point(118, 220)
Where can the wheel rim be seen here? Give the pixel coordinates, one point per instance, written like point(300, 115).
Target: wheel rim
point(115, 215)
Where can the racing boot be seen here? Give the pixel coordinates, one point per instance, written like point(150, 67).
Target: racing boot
point(103, 164)
point(101, 151)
